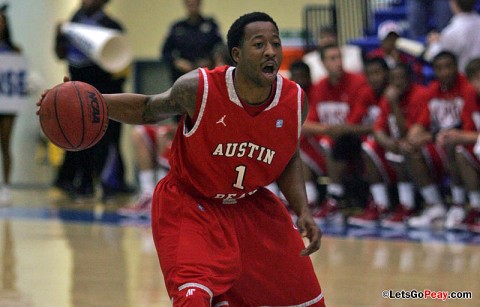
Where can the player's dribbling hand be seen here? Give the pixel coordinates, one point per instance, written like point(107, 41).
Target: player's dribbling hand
point(309, 229)
point(39, 102)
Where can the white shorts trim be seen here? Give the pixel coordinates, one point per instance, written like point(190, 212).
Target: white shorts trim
point(196, 285)
point(309, 303)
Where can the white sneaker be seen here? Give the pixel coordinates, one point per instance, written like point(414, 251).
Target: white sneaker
point(455, 217)
point(141, 207)
point(428, 217)
point(5, 196)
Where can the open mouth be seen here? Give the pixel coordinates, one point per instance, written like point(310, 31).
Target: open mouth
point(269, 69)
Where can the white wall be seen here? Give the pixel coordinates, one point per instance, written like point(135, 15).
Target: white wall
point(33, 26)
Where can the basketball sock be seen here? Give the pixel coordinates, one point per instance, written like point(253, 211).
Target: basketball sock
point(431, 195)
point(380, 195)
point(312, 193)
point(474, 197)
point(335, 190)
point(147, 181)
point(406, 194)
point(458, 195)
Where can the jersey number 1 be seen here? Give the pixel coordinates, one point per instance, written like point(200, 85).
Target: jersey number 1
point(241, 170)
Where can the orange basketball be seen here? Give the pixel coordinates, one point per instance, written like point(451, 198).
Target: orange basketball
point(73, 115)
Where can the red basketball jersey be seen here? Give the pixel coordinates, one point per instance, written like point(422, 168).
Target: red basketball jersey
point(409, 106)
point(331, 104)
point(227, 153)
point(452, 108)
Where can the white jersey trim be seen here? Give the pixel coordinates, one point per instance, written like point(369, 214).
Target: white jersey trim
point(231, 88)
point(196, 285)
point(299, 98)
point(187, 133)
point(222, 303)
point(276, 99)
point(232, 94)
point(309, 303)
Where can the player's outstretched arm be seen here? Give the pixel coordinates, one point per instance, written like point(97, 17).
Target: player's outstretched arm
point(149, 109)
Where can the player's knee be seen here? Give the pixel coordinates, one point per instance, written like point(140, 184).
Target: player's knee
point(192, 296)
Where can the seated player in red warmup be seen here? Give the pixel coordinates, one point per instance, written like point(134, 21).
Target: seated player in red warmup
point(330, 112)
point(221, 237)
point(468, 141)
point(387, 158)
point(449, 104)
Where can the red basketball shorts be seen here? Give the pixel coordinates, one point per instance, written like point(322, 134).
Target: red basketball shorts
point(152, 135)
point(312, 151)
point(377, 154)
point(244, 254)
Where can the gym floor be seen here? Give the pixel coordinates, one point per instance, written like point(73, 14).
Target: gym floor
point(55, 252)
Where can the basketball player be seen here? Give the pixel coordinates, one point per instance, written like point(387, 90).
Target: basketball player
point(450, 103)
point(221, 238)
point(468, 141)
point(329, 117)
point(388, 156)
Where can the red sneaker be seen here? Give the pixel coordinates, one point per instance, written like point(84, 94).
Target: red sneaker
point(370, 217)
point(140, 208)
point(328, 212)
point(398, 219)
point(472, 220)
point(473, 215)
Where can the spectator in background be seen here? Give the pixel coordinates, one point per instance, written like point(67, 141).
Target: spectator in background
point(76, 174)
point(351, 55)
point(427, 15)
point(388, 33)
point(461, 36)
point(191, 41)
point(6, 119)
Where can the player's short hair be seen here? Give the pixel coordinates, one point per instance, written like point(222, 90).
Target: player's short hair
point(376, 60)
point(236, 32)
point(405, 67)
point(299, 65)
point(444, 54)
point(327, 30)
point(472, 68)
point(466, 5)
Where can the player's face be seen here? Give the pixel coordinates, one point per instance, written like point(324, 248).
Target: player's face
point(332, 60)
point(302, 77)
point(91, 6)
point(446, 71)
point(399, 79)
point(377, 77)
point(325, 39)
point(260, 55)
point(475, 81)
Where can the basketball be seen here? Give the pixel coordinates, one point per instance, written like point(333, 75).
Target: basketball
point(73, 115)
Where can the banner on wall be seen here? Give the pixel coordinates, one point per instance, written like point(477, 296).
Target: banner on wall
point(13, 82)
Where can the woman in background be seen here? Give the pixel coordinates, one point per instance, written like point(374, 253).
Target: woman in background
point(7, 119)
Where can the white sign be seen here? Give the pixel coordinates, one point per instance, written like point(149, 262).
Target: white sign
point(13, 82)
